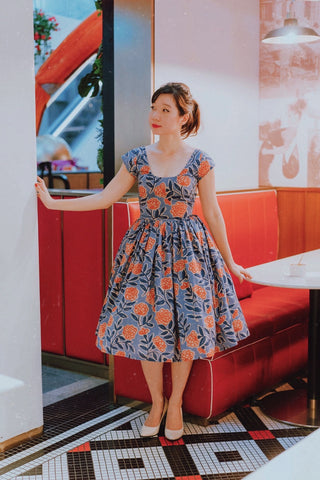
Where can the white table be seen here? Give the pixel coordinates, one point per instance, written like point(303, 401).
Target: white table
point(300, 406)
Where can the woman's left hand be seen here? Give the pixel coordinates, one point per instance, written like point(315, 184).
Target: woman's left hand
point(240, 272)
point(42, 193)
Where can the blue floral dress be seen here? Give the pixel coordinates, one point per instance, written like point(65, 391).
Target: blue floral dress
point(170, 296)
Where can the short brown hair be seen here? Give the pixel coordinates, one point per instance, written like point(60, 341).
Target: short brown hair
point(185, 104)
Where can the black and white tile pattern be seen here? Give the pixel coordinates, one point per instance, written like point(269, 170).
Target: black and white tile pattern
point(88, 438)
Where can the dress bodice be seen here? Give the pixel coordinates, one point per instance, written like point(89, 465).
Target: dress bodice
point(167, 197)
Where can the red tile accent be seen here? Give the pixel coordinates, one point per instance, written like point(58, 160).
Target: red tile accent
point(189, 477)
point(261, 434)
point(167, 443)
point(85, 447)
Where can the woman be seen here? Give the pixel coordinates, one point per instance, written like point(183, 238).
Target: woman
point(170, 297)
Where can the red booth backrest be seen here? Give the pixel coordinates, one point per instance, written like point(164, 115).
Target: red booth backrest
point(251, 220)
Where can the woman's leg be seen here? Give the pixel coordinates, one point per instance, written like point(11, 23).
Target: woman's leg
point(180, 373)
point(153, 373)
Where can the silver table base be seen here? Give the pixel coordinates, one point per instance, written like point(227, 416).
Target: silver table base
point(292, 406)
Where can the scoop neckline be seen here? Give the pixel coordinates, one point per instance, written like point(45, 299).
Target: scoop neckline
point(172, 176)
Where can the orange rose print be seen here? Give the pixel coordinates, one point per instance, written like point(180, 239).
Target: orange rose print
point(166, 283)
point(136, 225)
point(143, 331)
point(237, 325)
point(120, 354)
point(211, 352)
point(141, 309)
point(159, 343)
point(171, 270)
point(102, 330)
point(150, 244)
point(178, 266)
point(161, 253)
point(221, 319)
point(110, 321)
point(161, 190)
point(209, 321)
point(192, 339)
point(211, 243)
point(200, 237)
point(129, 248)
point(189, 236)
point(143, 236)
point(201, 350)
point(195, 266)
point(179, 209)
point(144, 169)
point(163, 317)
point(220, 272)
point(99, 343)
point(153, 203)
point(150, 297)
point(131, 293)
point(183, 180)
point(163, 229)
point(187, 355)
point(129, 332)
point(137, 268)
point(142, 192)
point(200, 291)
point(204, 168)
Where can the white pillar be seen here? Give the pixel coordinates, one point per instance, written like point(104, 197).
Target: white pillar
point(20, 352)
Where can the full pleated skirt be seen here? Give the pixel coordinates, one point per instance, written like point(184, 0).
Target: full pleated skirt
point(170, 296)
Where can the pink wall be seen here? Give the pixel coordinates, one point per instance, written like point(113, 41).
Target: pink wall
point(213, 46)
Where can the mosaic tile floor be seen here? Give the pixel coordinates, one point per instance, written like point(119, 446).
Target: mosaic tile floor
point(87, 437)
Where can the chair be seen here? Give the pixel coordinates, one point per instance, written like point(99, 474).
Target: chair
point(53, 180)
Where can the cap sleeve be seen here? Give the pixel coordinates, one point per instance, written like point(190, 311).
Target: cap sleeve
point(204, 165)
point(130, 160)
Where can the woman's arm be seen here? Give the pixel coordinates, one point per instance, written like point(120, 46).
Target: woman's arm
point(214, 218)
point(115, 189)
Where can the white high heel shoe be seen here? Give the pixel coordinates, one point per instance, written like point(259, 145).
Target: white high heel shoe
point(174, 434)
point(153, 431)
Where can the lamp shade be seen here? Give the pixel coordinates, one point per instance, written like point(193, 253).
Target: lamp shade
point(291, 33)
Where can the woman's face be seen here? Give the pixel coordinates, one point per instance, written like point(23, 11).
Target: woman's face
point(164, 118)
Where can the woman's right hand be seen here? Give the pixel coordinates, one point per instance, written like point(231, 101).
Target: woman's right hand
point(42, 192)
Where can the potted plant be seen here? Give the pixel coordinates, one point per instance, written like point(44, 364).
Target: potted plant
point(43, 26)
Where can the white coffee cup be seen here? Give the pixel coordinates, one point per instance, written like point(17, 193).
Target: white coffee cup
point(297, 269)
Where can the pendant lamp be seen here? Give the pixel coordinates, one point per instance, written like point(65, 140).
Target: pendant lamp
point(291, 32)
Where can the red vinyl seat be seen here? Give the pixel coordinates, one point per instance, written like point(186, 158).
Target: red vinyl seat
point(277, 318)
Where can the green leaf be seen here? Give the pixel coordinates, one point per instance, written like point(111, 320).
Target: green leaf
point(87, 83)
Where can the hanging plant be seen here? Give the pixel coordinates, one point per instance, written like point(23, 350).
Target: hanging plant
point(91, 84)
point(43, 26)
